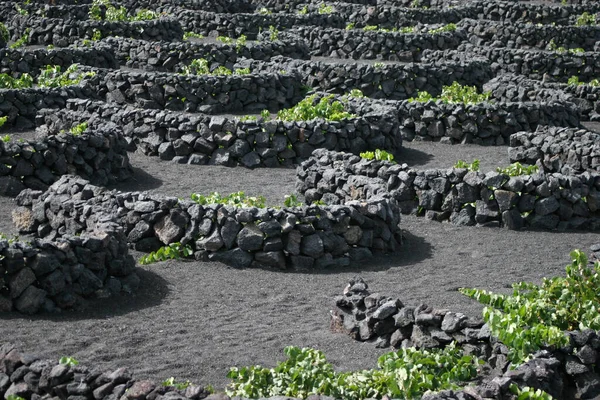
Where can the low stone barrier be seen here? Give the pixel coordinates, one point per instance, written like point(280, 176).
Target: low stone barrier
point(483, 123)
point(528, 36)
point(99, 156)
point(564, 150)
point(172, 56)
point(201, 139)
point(369, 45)
point(61, 33)
point(200, 93)
point(562, 373)
point(541, 200)
point(49, 275)
point(300, 238)
point(533, 64)
point(390, 81)
point(32, 60)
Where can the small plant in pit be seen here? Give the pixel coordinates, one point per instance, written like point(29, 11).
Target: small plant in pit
point(474, 166)
point(70, 361)
point(264, 11)
point(4, 34)
point(291, 200)
point(237, 199)
point(406, 373)
point(518, 169)
point(189, 35)
point(240, 42)
point(177, 385)
point(173, 251)
point(379, 155)
point(22, 41)
point(309, 108)
point(200, 66)
point(96, 35)
point(350, 26)
point(370, 28)
point(454, 94)
point(113, 13)
point(78, 129)
point(52, 76)
point(325, 9)
point(536, 316)
point(273, 33)
point(265, 114)
point(529, 393)
point(246, 118)
point(20, 10)
point(5, 138)
point(562, 50)
point(225, 39)
point(23, 82)
point(14, 397)
point(303, 10)
point(442, 29)
point(586, 19)
point(574, 80)
point(3, 120)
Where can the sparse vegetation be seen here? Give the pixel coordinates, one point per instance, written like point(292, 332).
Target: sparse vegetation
point(455, 94)
point(310, 108)
point(473, 166)
point(517, 169)
point(379, 155)
point(173, 251)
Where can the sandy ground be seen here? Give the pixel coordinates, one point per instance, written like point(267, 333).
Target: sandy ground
point(194, 320)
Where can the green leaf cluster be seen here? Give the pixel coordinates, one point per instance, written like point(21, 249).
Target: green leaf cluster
point(22, 41)
point(535, 316)
point(446, 28)
point(529, 393)
point(173, 251)
point(4, 35)
point(325, 9)
point(200, 66)
point(574, 80)
point(188, 35)
point(375, 28)
point(404, 374)
point(237, 199)
point(70, 361)
point(52, 76)
point(177, 385)
point(309, 108)
point(113, 13)
point(291, 200)
point(23, 82)
point(474, 166)
point(79, 129)
point(517, 169)
point(3, 120)
point(454, 94)
point(586, 19)
point(379, 155)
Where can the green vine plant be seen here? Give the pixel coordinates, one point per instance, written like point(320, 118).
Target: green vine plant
point(4, 34)
point(406, 373)
point(14, 397)
point(586, 19)
point(517, 169)
point(237, 199)
point(173, 251)
point(177, 385)
point(454, 94)
point(379, 155)
point(473, 166)
point(3, 120)
point(22, 41)
point(23, 82)
point(529, 393)
point(574, 80)
point(325, 9)
point(113, 13)
point(190, 35)
point(446, 28)
point(70, 361)
point(562, 50)
point(78, 129)
point(52, 76)
point(201, 66)
point(536, 316)
point(310, 108)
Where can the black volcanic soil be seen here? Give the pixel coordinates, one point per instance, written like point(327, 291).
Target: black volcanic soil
point(194, 320)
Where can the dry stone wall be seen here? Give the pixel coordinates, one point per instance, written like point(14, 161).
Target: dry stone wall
point(462, 197)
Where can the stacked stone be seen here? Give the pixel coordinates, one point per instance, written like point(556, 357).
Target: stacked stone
point(488, 123)
point(509, 34)
point(564, 373)
point(301, 238)
point(201, 139)
point(563, 150)
point(22, 105)
point(392, 81)
point(202, 93)
point(533, 64)
point(27, 376)
point(63, 32)
point(369, 45)
point(32, 60)
point(542, 200)
point(535, 13)
point(99, 155)
point(172, 56)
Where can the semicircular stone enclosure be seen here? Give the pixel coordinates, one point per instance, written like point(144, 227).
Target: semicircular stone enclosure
point(335, 91)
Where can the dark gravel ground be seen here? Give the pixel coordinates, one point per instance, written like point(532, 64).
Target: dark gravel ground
point(194, 320)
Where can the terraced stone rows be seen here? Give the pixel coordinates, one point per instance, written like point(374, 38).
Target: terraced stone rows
point(138, 87)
